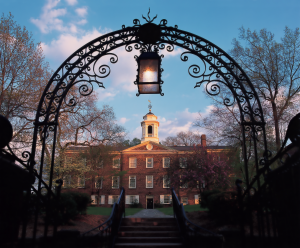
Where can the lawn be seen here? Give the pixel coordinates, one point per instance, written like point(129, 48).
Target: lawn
point(131, 211)
point(187, 208)
point(107, 211)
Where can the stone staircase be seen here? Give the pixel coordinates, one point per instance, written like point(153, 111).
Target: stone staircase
point(148, 232)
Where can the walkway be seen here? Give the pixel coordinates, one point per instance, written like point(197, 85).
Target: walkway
point(149, 213)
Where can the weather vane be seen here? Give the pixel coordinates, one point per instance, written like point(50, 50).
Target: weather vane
point(149, 21)
point(149, 106)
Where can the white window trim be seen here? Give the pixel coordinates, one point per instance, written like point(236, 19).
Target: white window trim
point(164, 166)
point(101, 182)
point(112, 182)
point(78, 183)
point(152, 182)
point(183, 198)
point(197, 198)
point(127, 199)
point(116, 166)
point(162, 199)
point(182, 162)
point(94, 199)
point(67, 182)
point(130, 177)
point(110, 199)
point(166, 177)
point(147, 163)
point(135, 162)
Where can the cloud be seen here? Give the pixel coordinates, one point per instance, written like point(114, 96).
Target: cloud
point(106, 94)
point(49, 18)
point(123, 120)
point(81, 11)
point(71, 2)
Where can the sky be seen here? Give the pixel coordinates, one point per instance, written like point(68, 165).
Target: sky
point(63, 26)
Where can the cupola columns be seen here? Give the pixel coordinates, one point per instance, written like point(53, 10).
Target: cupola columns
point(150, 127)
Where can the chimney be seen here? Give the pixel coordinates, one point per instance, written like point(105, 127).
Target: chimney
point(203, 140)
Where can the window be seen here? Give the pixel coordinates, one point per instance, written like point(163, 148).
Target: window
point(202, 184)
point(98, 182)
point(149, 162)
point(102, 199)
point(94, 199)
point(166, 162)
point(81, 181)
point(165, 199)
point(67, 181)
point(100, 164)
point(132, 162)
point(166, 181)
point(116, 163)
point(184, 200)
point(115, 182)
point(183, 185)
point(150, 131)
point(149, 181)
point(113, 199)
point(132, 182)
point(182, 162)
point(197, 199)
point(131, 199)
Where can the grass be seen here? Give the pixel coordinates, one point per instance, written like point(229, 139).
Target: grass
point(107, 211)
point(187, 208)
point(130, 211)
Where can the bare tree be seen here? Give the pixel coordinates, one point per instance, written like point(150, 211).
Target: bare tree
point(187, 138)
point(274, 69)
point(24, 74)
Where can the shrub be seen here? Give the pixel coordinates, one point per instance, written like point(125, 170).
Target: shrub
point(82, 200)
point(136, 205)
point(157, 204)
point(223, 206)
point(205, 195)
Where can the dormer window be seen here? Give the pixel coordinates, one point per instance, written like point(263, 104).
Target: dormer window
point(150, 131)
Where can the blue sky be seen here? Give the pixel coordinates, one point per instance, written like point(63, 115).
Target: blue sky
point(63, 26)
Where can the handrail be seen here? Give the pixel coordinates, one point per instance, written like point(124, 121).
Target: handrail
point(108, 230)
point(192, 233)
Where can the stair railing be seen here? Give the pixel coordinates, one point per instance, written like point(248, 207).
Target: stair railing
point(192, 234)
point(106, 233)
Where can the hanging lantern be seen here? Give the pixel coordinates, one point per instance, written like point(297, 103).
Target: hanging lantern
point(148, 78)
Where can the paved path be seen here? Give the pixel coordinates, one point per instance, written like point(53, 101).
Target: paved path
point(149, 213)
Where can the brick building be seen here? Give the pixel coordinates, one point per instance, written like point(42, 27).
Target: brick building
point(145, 180)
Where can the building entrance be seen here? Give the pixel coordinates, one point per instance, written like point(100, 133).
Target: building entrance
point(149, 203)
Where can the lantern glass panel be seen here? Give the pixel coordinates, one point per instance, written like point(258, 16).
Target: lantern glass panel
point(148, 88)
point(148, 71)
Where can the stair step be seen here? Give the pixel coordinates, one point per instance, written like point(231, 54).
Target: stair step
point(141, 245)
point(149, 234)
point(148, 240)
point(149, 228)
point(148, 220)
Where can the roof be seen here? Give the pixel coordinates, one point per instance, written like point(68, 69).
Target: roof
point(188, 148)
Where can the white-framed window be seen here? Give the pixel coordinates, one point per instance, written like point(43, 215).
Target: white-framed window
point(182, 162)
point(115, 182)
point(197, 199)
point(132, 162)
point(67, 181)
point(116, 163)
point(81, 181)
point(113, 199)
point(184, 200)
point(166, 162)
point(202, 184)
point(165, 199)
point(149, 162)
point(98, 182)
point(183, 185)
point(100, 164)
point(130, 199)
point(132, 182)
point(149, 181)
point(166, 181)
point(94, 199)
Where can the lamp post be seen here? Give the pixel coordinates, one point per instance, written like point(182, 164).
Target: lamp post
point(148, 78)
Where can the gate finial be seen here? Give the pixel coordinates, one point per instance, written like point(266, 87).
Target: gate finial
point(149, 21)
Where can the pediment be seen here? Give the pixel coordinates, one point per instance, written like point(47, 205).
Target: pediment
point(149, 146)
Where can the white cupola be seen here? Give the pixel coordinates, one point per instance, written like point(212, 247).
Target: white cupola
point(150, 127)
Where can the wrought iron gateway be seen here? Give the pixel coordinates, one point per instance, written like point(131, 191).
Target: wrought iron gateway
point(84, 70)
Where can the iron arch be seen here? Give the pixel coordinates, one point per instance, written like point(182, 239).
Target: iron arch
point(82, 69)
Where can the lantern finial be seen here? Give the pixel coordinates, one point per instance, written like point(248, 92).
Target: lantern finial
point(149, 106)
